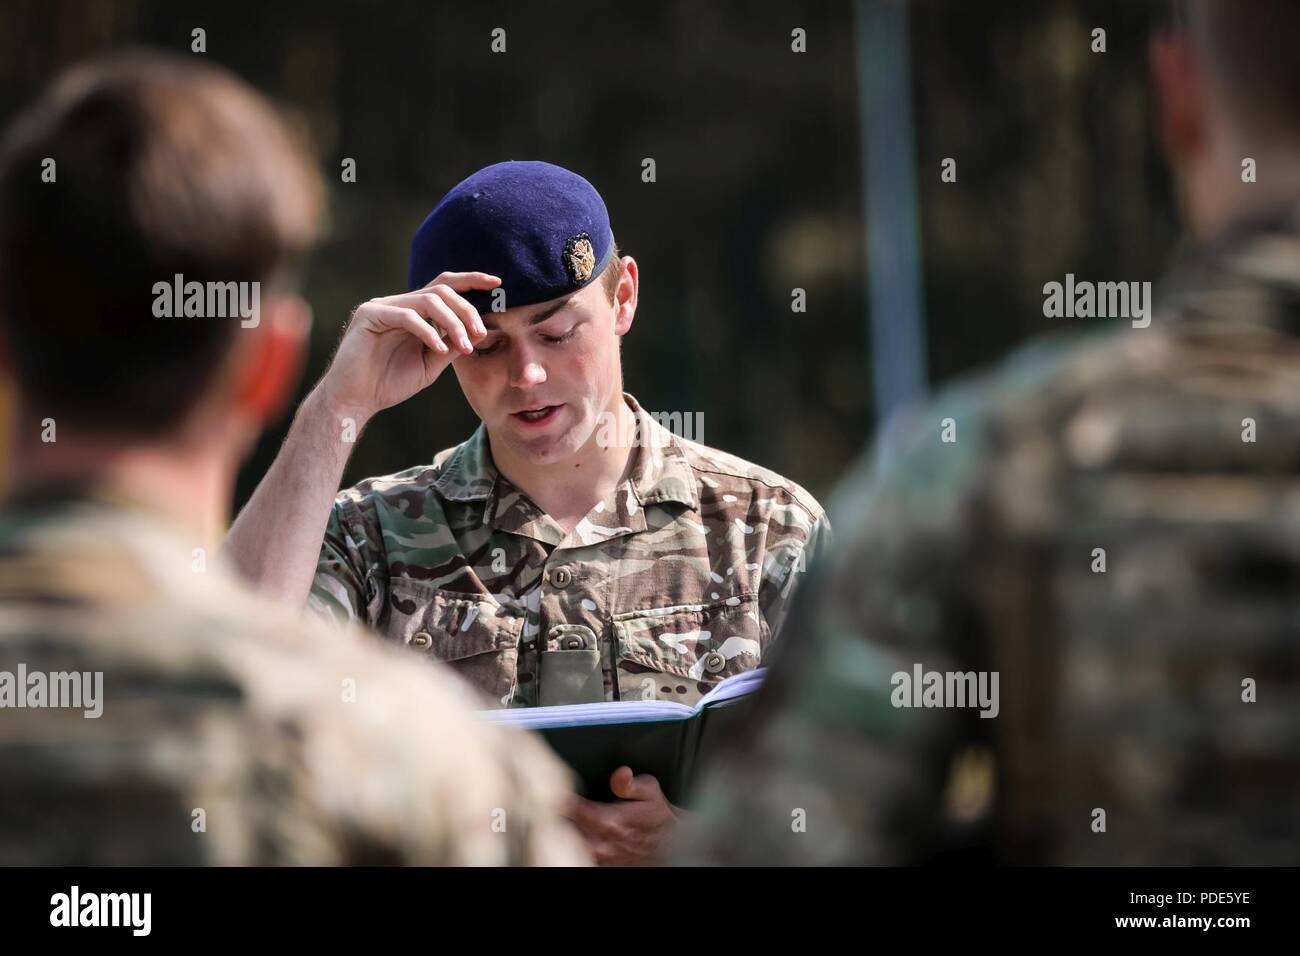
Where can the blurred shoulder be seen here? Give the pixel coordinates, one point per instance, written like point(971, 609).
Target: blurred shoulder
point(317, 744)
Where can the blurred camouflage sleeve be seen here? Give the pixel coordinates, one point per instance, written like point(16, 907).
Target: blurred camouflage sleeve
point(831, 772)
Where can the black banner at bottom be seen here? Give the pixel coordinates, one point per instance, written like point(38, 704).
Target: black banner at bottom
point(371, 905)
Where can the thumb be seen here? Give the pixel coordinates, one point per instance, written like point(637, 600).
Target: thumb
point(629, 787)
point(435, 363)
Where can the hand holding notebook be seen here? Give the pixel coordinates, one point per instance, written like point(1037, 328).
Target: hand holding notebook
point(662, 738)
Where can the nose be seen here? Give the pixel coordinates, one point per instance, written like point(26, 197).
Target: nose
point(525, 372)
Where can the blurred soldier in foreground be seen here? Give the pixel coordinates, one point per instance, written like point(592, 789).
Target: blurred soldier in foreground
point(155, 711)
point(1112, 535)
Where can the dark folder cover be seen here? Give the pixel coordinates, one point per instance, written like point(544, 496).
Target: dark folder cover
point(661, 738)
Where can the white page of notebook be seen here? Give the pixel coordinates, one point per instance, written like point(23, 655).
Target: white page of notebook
point(623, 712)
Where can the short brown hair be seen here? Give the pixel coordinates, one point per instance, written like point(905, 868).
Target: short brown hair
point(162, 166)
point(613, 272)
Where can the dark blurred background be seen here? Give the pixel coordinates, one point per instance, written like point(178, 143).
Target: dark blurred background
point(760, 176)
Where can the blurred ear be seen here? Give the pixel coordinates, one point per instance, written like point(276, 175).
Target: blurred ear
point(6, 356)
point(6, 350)
point(271, 367)
point(625, 296)
point(1179, 98)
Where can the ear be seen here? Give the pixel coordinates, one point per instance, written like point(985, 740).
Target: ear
point(6, 350)
point(6, 356)
point(1180, 97)
point(625, 296)
point(270, 373)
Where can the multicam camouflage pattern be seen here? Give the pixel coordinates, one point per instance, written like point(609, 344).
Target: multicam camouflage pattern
point(218, 701)
point(1121, 690)
point(679, 579)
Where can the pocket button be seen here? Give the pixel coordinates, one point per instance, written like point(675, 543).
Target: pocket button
point(714, 662)
point(561, 577)
point(421, 639)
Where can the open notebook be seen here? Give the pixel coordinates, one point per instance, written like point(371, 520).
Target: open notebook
point(658, 737)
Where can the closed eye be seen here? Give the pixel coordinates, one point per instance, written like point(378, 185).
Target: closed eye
point(549, 339)
point(557, 339)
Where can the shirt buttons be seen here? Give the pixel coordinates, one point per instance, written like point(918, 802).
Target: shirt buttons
point(561, 577)
point(714, 662)
point(421, 639)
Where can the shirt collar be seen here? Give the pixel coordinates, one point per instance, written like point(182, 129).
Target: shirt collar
point(1247, 273)
point(660, 472)
point(468, 473)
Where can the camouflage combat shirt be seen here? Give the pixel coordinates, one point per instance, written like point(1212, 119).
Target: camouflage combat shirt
point(677, 580)
point(229, 730)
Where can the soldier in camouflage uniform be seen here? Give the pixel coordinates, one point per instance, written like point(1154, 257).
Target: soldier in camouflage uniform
point(224, 728)
point(572, 550)
point(1111, 532)
point(679, 578)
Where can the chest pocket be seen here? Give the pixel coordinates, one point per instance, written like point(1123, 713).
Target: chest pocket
point(681, 653)
point(472, 636)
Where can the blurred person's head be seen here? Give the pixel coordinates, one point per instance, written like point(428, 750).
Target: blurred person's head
point(1227, 82)
point(549, 372)
point(132, 178)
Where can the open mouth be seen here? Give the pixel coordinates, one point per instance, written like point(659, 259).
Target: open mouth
point(537, 416)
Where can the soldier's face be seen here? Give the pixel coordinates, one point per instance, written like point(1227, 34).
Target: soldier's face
point(545, 373)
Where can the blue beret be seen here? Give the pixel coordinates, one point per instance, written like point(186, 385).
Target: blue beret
point(543, 229)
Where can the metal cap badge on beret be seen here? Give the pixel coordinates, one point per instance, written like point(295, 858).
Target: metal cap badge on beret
point(543, 229)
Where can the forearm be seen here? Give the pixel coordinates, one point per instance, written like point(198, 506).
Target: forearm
point(276, 540)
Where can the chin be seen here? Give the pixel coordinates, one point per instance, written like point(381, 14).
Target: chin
point(539, 449)
point(550, 449)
